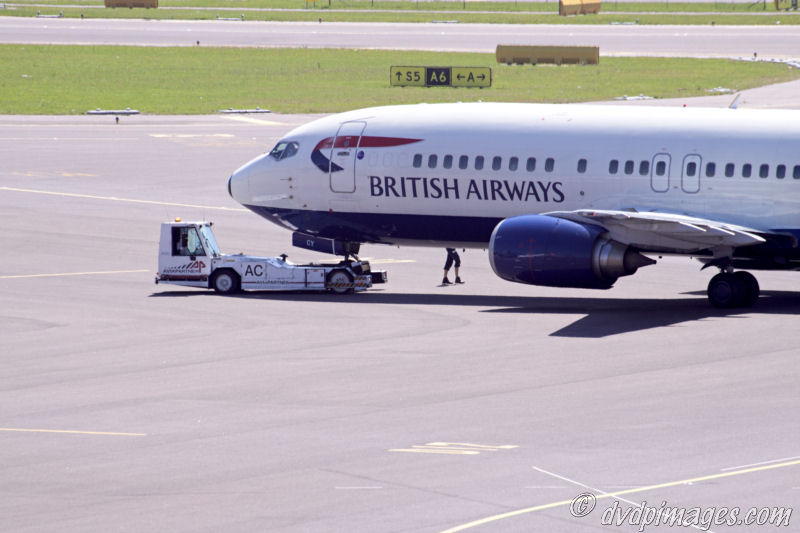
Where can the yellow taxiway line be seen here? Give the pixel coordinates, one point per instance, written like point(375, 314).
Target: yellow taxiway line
point(74, 432)
point(259, 121)
point(388, 261)
point(116, 199)
point(74, 274)
point(564, 503)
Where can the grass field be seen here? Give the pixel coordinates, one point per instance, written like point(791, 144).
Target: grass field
point(411, 11)
point(74, 79)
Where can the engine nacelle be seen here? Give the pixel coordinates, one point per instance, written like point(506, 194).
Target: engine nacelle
point(555, 252)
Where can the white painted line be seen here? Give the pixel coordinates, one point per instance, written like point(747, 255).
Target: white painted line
point(568, 480)
point(761, 463)
point(606, 494)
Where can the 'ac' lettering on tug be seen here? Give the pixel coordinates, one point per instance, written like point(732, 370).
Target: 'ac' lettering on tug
point(451, 188)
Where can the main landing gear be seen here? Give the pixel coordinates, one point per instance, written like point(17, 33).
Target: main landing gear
point(733, 289)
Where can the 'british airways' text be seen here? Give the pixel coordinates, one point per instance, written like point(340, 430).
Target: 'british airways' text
point(452, 188)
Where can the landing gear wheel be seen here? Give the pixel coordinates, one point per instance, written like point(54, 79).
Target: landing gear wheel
point(226, 282)
point(750, 288)
point(339, 282)
point(724, 290)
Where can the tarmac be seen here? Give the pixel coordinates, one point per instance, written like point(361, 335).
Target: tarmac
point(766, 42)
point(489, 406)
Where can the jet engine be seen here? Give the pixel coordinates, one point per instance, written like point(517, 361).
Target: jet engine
point(555, 252)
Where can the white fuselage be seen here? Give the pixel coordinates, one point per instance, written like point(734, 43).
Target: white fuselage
point(439, 174)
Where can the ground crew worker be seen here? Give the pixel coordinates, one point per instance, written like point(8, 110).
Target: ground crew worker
point(452, 258)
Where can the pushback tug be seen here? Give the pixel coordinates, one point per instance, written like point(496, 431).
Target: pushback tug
point(189, 256)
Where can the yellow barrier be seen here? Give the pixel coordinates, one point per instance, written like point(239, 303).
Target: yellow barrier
point(131, 3)
point(578, 7)
point(786, 4)
point(582, 55)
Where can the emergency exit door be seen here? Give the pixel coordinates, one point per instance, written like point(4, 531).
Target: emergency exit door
point(344, 155)
point(690, 178)
point(659, 172)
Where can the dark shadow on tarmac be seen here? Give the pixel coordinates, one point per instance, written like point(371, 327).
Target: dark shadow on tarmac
point(603, 316)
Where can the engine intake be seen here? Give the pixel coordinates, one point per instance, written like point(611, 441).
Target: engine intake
point(555, 252)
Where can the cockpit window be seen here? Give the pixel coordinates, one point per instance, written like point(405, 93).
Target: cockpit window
point(283, 150)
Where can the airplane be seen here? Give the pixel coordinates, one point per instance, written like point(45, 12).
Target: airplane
point(562, 195)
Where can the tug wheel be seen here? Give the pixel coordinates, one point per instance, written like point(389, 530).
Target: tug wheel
point(226, 282)
point(339, 282)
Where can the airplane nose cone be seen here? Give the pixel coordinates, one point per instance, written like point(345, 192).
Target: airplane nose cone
point(239, 185)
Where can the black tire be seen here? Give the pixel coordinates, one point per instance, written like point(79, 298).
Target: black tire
point(226, 281)
point(751, 290)
point(339, 282)
point(725, 290)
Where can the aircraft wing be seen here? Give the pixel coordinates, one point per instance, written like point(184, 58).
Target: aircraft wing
point(666, 232)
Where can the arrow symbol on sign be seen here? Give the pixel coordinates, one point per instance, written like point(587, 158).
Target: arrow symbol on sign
point(460, 76)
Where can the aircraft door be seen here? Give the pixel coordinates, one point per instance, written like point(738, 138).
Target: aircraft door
point(344, 155)
point(690, 177)
point(659, 172)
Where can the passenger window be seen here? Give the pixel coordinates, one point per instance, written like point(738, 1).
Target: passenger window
point(730, 169)
point(530, 166)
point(661, 168)
point(644, 168)
point(478, 162)
point(711, 169)
point(513, 163)
point(691, 169)
point(447, 162)
point(283, 150)
point(497, 162)
point(581, 166)
point(763, 171)
point(613, 166)
point(417, 160)
point(432, 159)
point(463, 162)
point(629, 167)
point(780, 172)
point(796, 172)
point(549, 164)
point(747, 169)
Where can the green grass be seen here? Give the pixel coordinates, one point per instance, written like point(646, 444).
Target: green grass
point(74, 79)
point(476, 12)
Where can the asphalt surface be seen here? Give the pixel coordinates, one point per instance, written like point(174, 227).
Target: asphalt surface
point(778, 42)
point(133, 407)
point(126, 406)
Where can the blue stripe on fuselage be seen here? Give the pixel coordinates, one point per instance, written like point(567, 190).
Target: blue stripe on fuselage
point(383, 228)
point(389, 228)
